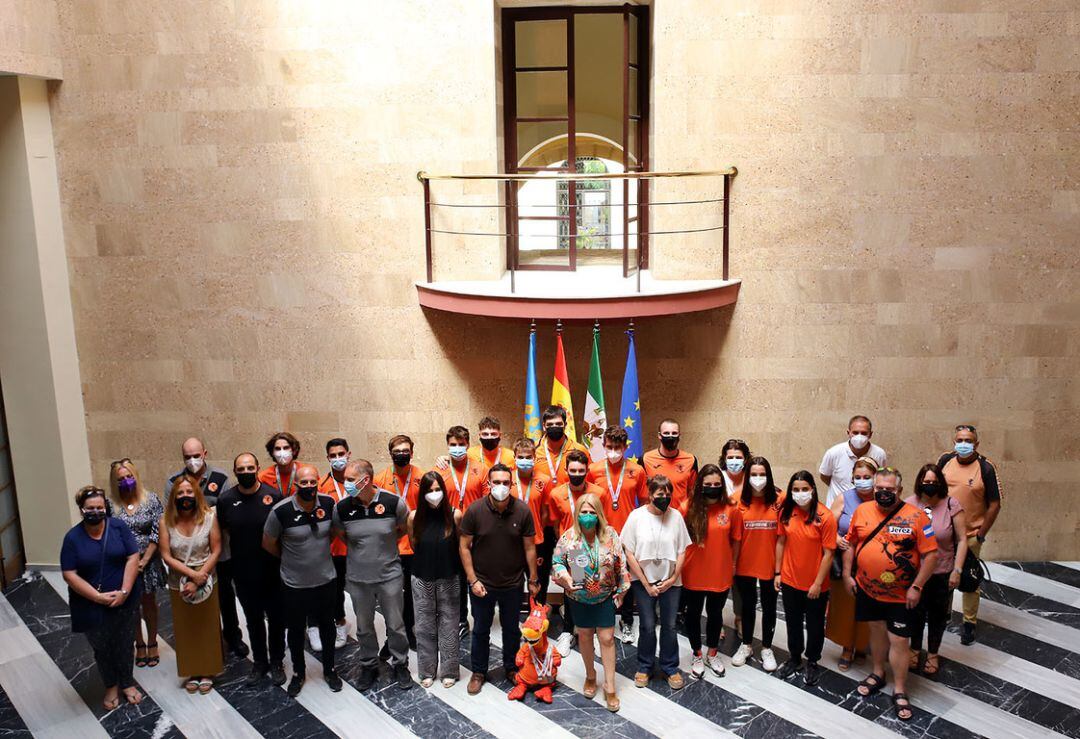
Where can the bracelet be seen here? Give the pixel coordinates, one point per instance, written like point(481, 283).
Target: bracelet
point(474, 582)
point(534, 582)
point(916, 587)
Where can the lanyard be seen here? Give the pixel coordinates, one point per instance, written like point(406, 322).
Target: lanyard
point(459, 484)
point(528, 491)
point(543, 668)
point(558, 460)
point(408, 483)
point(614, 490)
point(594, 552)
point(498, 456)
point(337, 488)
point(277, 473)
point(570, 497)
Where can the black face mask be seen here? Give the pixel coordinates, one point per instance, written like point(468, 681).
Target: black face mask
point(247, 479)
point(670, 442)
point(929, 490)
point(713, 492)
point(576, 480)
point(662, 503)
point(555, 433)
point(401, 459)
point(93, 516)
point(185, 504)
point(490, 444)
point(307, 493)
point(885, 498)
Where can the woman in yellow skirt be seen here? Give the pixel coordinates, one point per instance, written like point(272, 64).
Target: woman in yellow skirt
point(190, 546)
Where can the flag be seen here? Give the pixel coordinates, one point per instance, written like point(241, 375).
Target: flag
point(560, 388)
point(595, 417)
point(630, 407)
point(532, 396)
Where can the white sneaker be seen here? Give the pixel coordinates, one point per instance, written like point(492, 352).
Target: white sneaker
point(768, 660)
point(714, 663)
point(313, 638)
point(697, 666)
point(626, 632)
point(744, 653)
point(341, 636)
point(565, 643)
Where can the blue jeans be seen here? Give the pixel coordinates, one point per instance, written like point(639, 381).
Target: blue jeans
point(508, 602)
point(669, 639)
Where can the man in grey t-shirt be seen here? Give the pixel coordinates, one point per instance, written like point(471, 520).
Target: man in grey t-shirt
point(371, 521)
point(298, 531)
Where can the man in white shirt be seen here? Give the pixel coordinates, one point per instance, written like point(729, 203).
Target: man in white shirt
point(839, 461)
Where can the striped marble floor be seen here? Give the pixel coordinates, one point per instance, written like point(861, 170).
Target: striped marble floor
point(1021, 679)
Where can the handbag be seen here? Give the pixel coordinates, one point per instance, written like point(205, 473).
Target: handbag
point(203, 591)
point(972, 570)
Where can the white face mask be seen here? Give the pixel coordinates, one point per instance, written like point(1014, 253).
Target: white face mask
point(734, 465)
point(859, 441)
point(283, 456)
point(613, 456)
point(864, 484)
point(457, 451)
point(500, 492)
point(434, 498)
point(802, 497)
point(194, 464)
point(757, 482)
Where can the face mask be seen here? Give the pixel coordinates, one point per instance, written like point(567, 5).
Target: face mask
point(351, 489)
point(490, 444)
point(670, 442)
point(757, 482)
point(964, 448)
point(458, 452)
point(662, 503)
point(928, 490)
point(247, 479)
point(339, 463)
point(434, 498)
point(734, 466)
point(614, 457)
point(885, 498)
point(283, 456)
point(555, 433)
point(864, 485)
point(524, 465)
point(94, 516)
point(576, 480)
point(401, 459)
point(500, 492)
point(126, 485)
point(194, 464)
point(802, 497)
point(307, 493)
point(587, 521)
point(713, 492)
point(185, 504)
point(859, 441)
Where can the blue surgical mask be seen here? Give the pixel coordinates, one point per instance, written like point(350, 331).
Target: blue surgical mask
point(350, 488)
point(864, 485)
point(339, 463)
point(458, 452)
point(734, 465)
point(964, 448)
point(525, 465)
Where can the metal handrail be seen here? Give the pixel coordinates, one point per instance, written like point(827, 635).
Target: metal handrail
point(560, 175)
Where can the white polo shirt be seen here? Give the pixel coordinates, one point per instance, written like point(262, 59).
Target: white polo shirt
point(839, 463)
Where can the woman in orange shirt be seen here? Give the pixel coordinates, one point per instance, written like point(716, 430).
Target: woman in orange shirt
point(759, 507)
point(804, 553)
point(715, 532)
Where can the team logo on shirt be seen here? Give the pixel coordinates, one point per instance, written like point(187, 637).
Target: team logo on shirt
point(320, 513)
point(888, 578)
point(212, 487)
point(267, 500)
point(722, 519)
point(380, 509)
point(759, 525)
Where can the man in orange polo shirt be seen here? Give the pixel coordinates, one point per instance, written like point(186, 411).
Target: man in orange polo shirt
point(553, 448)
point(490, 451)
point(669, 460)
point(333, 484)
point(403, 479)
point(284, 449)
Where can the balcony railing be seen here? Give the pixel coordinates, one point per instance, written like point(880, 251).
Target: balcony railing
point(658, 205)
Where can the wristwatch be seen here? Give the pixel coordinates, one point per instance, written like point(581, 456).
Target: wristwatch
point(534, 582)
point(124, 592)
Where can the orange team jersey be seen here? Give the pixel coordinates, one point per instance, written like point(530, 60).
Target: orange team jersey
point(468, 477)
point(409, 484)
point(284, 484)
point(336, 490)
point(757, 558)
point(487, 459)
point(886, 566)
point(680, 469)
point(633, 493)
point(537, 492)
point(710, 565)
point(548, 458)
point(561, 510)
point(806, 545)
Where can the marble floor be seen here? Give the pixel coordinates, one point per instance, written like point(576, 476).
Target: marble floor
point(1021, 679)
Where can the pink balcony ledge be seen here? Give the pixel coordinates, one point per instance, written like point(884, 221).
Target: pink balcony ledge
point(594, 292)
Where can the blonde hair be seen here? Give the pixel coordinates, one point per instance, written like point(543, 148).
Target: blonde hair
point(201, 508)
point(601, 520)
point(114, 481)
point(868, 463)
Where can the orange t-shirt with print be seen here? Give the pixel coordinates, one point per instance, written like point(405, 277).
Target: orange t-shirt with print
point(806, 545)
point(560, 510)
point(680, 469)
point(634, 491)
point(329, 486)
point(535, 495)
point(548, 456)
point(269, 476)
point(405, 485)
point(486, 460)
point(757, 558)
point(470, 478)
point(886, 566)
point(710, 564)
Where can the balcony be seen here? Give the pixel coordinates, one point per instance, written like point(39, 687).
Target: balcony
point(577, 246)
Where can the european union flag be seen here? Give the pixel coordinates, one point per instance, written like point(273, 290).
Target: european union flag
point(630, 408)
point(532, 396)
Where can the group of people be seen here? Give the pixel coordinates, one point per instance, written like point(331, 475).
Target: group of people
point(862, 561)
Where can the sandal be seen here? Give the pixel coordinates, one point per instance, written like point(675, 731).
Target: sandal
point(140, 655)
point(872, 684)
point(205, 686)
point(902, 708)
point(152, 656)
point(192, 686)
point(846, 658)
point(133, 696)
point(931, 667)
point(913, 660)
point(111, 705)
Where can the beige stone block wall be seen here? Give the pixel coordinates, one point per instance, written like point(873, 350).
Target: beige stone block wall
point(30, 38)
point(244, 227)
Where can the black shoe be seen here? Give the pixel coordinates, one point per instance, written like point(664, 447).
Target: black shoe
point(463, 629)
point(258, 672)
point(967, 634)
point(404, 679)
point(384, 653)
point(813, 674)
point(239, 649)
point(295, 684)
point(412, 642)
point(332, 681)
point(277, 674)
point(788, 669)
point(367, 678)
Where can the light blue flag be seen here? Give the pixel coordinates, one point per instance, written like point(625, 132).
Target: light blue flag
point(630, 408)
point(532, 396)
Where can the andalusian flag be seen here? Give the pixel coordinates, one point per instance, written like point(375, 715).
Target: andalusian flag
point(595, 416)
point(532, 396)
point(630, 407)
point(560, 388)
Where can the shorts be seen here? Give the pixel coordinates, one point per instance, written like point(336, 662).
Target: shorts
point(895, 615)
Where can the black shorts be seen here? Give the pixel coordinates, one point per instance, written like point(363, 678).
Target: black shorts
point(895, 615)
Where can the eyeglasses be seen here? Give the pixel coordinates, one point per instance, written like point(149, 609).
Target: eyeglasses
point(966, 427)
point(119, 462)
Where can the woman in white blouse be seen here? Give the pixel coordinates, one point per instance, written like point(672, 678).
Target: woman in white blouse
point(655, 540)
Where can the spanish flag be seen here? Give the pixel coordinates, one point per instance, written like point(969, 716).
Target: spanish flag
point(560, 388)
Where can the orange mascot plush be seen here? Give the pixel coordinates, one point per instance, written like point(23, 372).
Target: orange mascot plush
point(537, 661)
